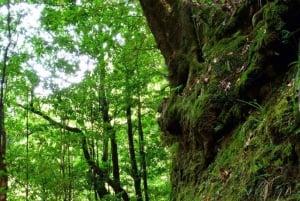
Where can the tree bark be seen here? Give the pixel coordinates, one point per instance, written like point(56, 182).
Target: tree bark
point(108, 129)
point(110, 132)
point(3, 168)
point(135, 172)
point(171, 24)
point(247, 57)
point(142, 148)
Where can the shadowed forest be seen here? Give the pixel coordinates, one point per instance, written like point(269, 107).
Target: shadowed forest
point(150, 100)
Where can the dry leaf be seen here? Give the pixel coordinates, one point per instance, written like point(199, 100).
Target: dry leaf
point(224, 173)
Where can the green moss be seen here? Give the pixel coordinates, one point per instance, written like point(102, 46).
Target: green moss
point(281, 121)
point(206, 19)
point(226, 45)
point(258, 141)
point(251, 160)
point(273, 14)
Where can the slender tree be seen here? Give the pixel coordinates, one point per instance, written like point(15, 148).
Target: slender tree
point(140, 80)
point(3, 140)
point(108, 128)
point(29, 93)
point(69, 169)
point(130, 134)
point(134, 167)
point(143, 163)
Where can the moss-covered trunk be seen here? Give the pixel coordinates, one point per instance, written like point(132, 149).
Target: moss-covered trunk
point(233, 111)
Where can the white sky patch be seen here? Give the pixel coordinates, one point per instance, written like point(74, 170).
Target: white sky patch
point(61, 79)
point(119, 39)
point(33, 13)
point(30, 26)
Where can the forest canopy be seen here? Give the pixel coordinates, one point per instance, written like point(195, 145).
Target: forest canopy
point(80, 86)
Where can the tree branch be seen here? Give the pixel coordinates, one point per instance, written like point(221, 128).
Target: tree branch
point(51, 120)
point(92, 164)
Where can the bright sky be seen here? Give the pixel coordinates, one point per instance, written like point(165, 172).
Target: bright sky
point(30, 26)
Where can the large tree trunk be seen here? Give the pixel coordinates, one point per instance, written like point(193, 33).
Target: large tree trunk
point(171, 25)
point(224, 60)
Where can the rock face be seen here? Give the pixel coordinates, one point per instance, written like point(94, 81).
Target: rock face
point(233, 113)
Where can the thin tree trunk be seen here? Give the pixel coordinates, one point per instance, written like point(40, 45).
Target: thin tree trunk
point(70, 174)
point(135, 173)
point(105, 148)
point(142, 149)
point(27, 149)
point(3, 168)
point(110, 132)
point(98, 182)
point(62, 164)
point(108, 128)
point(115, 157)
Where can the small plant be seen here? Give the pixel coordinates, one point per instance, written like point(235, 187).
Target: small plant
point(178, 88)
point(253, 104)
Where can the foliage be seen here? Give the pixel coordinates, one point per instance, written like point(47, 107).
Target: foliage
point(107, 47)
